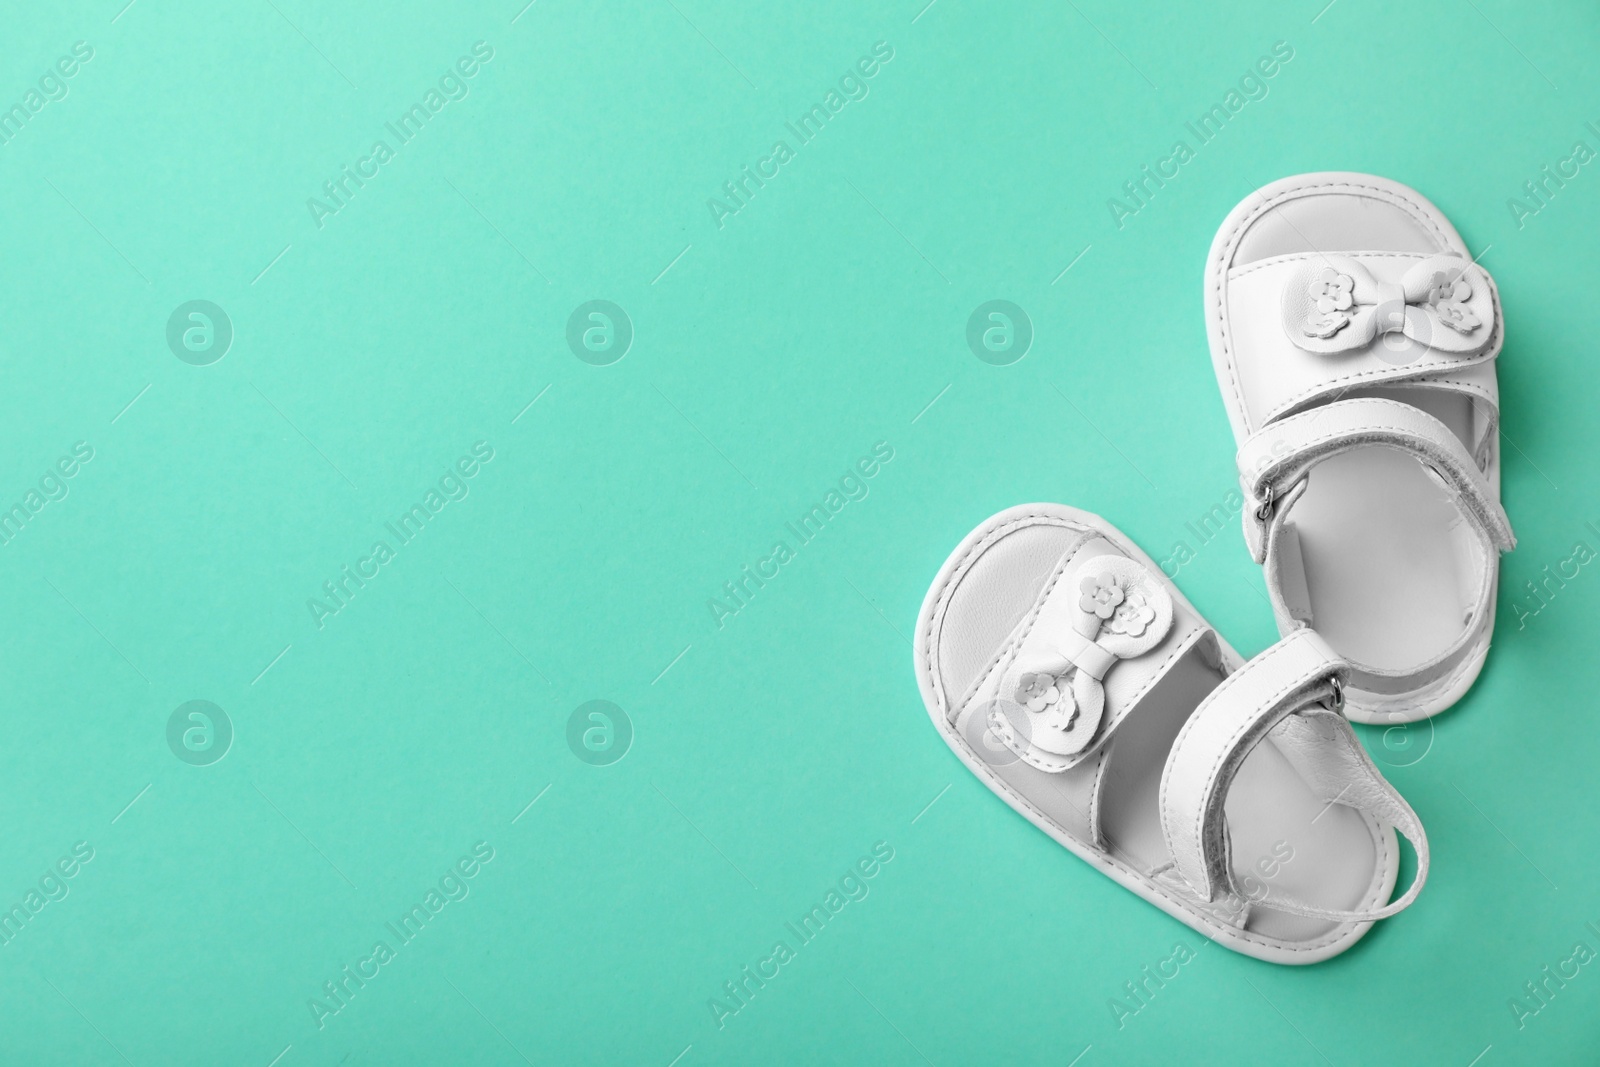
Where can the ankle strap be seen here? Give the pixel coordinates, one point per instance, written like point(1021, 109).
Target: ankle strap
point(1275, 693)
point(1275, 459)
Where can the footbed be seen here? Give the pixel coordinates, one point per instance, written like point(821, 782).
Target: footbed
point(1284, 840)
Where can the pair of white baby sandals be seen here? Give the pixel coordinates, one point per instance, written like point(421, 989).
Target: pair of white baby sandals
point(1354, 341)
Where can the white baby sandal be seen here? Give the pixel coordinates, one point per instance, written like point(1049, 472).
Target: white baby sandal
point(1073, 678)
point(1354, 340)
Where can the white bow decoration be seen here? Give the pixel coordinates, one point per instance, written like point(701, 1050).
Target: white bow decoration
point(1051, 706)
point(1334, 304)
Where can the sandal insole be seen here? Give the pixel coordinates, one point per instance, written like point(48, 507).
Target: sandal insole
point(1391, 566)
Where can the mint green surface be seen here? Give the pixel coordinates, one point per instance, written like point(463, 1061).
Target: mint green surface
point(375, 748)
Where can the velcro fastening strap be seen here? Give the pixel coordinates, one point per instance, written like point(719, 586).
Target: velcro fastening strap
point(1273, 693)
point(1275, 459)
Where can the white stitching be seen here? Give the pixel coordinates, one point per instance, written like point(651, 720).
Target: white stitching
point(1229, 246)
point(1032, 518)
point(1009, 649)
point(1226, 751)
point(1095, 856)
point(1235, 273)
point(1468, 475)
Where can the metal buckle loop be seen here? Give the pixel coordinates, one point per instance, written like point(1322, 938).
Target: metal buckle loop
point(1264, 509)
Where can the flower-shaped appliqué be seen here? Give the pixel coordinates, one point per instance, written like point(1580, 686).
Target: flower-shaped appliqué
point(1038, 691)
point(1447, 296)
point(1099, 595)
point(1062, 714)
point(1050, 698)
point(1334, 294)
point(1332, 291)
point(1450, 286)
point(1133, 616)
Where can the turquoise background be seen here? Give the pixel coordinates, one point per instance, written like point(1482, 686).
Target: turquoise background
point(771, 754)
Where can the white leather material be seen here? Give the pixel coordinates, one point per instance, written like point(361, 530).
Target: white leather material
point(1476, 384)
point(1213, 743)
point(1276, 374)
point(1261, 372)
point(1335, 304)
point(1106, 807)
point(1273, 693)
point(1067, 798)
point(1323, 748)
point(1068, 675)
point(1284, 452)
point(1331, 211)
point(1005, 583)
point(1288, 576)
point(1354, 341)
point(1281, 454)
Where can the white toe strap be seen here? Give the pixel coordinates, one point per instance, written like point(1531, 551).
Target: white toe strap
point(1275, 458)
point(1277, 693)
